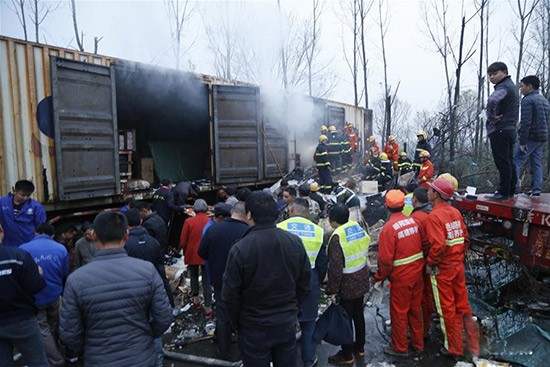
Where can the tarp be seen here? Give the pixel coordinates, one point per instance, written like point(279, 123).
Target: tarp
point(179, 161)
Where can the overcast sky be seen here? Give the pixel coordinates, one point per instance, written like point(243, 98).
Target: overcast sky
point(139, 31)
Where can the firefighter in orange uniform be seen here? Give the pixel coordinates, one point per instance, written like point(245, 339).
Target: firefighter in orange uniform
point(374, 150)
point(448, 239)
point(353, 138)
point(426, 172)
point(392, 150)
point(400, 260)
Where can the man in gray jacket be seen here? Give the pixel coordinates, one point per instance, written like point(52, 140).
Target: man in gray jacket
point(115, 306)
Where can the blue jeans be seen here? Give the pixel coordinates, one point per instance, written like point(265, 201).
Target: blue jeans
point(25, 336)
point(260, 346)
point(534, 153)
point(159, 352)
point(307, 342)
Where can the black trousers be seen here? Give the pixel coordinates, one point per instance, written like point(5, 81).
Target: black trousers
point(354, 308)
point(502, 146)
point(325, 179)
point(223, 325)
point(260, 346)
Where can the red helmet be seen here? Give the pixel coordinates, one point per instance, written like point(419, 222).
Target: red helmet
point(443, 187)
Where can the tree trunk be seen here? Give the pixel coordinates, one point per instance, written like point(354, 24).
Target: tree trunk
point(364, 52)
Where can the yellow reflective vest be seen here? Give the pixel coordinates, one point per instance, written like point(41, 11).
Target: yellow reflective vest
point(310, 234)
point(355, 245)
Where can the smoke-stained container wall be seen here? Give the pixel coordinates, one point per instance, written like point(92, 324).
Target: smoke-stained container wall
point(26, 152)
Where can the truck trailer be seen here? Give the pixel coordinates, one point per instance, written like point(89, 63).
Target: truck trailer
point(83, 127)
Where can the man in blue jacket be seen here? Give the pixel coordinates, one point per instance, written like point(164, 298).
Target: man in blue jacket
point(533, 132)
point(52, 257)
point(19, 214)
point(19, 281)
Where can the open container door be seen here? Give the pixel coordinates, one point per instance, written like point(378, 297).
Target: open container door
point(236, 134)
point(86, 137)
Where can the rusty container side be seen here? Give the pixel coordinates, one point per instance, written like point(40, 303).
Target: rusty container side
point(25, 80)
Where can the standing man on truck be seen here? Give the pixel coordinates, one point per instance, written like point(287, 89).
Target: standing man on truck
point(163, 202)
point(20, 215)
point(448, 239)
point(533, 132)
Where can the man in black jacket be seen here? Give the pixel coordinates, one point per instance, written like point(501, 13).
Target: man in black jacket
point(214, 247)
point(115, 306)
point(19, 281)
point(153, 223)
point(267, 274)
point(163, 202)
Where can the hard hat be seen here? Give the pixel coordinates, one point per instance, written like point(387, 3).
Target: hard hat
point(349, 124)
point(395, 199)
point(450, 178)
point(403, 154)
point(422, 133)
point(383, 156)
point(322, 137)
point(372, 138)
point(324, 128)
point(332, 128)
point(424, 154)
point(443, 187)
point(314, 186)
point(391, 138)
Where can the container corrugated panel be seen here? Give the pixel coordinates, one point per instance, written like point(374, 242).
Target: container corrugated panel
point(355, 115)
point(25, 151)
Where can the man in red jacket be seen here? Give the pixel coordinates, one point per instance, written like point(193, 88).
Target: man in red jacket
point(448, 239)
point(392, 150)
point(400, 260)
point(190, 240)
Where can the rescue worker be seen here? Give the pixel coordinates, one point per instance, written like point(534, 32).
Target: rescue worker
point(426, 172)
point(348, 276)
point(448, 239)
point(164, 203)
point(322, 162)
point(324, 129)
point(374, 151)
point(312, 238)
point(392, 150)
point(422, 209)
point(314, 195)
point(404, 164)
point(335, 150)
point(353, 137)
point(346, 157)
point(421, 145)
point(346, 196)
point(401, 261)
point(373, 168)
point(452, 179)
point(409, 189)
point(385, 174)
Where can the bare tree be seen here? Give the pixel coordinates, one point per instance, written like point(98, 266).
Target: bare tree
point(363, 11)
point(18, 7)
point(179, 13)
point(349, 16)
point(79, 37)
point(524, 11)
point(311, 42)
point(39, 10)
point(383, 28)
point(478, 135)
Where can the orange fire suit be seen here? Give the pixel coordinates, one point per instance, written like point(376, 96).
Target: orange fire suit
point(427, 296)
point(448, 239)
point(400, 260)
point(425, 174)
point(374, 151)
point(392, 150)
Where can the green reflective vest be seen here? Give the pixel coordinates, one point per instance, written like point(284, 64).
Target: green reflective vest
point(355, 245)
point(408, 207)
point(310, 234)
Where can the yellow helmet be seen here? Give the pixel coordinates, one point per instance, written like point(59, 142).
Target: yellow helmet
point(391, 138)
point(332, 128)
point(403, 154)
point(424, 154)
point(423, 134)
point(324, 128)
point(449, 178)
point(383, 156)
point(372, 138)
point(349, 124)
point(322, 137)
point(314, 186)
